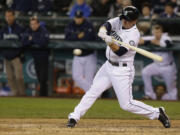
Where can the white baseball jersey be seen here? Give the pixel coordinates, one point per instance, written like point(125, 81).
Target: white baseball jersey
point(130, 36)
point(166, 69)
point(117, 76)
point(167, 56)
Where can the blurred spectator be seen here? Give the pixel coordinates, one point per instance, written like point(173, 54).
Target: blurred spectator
point(80, 5)
point(176, 6)
point(44, 7)
point(13, 31)
point(2, 5)
point(100, 8)
point(169, 11)
point(84, 63)
point(126, 3)
point(166, 69)
point(9, 3)
point(144, 26)
point(23, 6)
point(146, 11)
point(38, 36)
point(115, 9)
point(158, 6)
point(61, 6)
point(139, 3)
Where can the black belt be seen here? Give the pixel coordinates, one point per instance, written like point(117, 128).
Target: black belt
point(117, 64)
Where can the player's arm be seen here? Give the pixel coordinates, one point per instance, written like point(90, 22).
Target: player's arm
point(118, 50)
point(104, 30)
point(145, 40)
point(104, 33)
point(167, 43)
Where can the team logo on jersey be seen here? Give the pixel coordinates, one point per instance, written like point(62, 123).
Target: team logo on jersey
point(131, 42)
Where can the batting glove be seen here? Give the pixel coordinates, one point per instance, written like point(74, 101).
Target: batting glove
point(102, 32)
point(102, 35)
point(108, 39)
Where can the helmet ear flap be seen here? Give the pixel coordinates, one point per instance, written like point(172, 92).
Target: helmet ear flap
point(121, 17)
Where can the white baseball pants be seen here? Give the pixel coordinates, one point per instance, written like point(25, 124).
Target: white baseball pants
point(83, 70)
point(168, 73)
point(121, 79)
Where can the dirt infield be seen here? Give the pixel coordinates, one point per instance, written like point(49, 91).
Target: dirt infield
point(86, 127)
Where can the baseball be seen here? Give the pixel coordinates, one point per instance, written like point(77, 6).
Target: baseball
point(77, 52)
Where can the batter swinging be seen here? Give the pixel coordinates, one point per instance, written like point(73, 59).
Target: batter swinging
point(118, 70)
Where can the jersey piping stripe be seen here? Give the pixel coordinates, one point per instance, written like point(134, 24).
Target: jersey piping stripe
point(130, 93)
point(109, 53)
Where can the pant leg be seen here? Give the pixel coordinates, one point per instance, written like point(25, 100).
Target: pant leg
point(169, 76)
point(41, 67)
point(122, 84)
point(11, 77)
point(18, 69)
point(147, 73)
point(90, 69)
point(78, 72)
point(101, 82)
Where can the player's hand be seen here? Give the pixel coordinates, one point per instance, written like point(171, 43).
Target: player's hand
point(102, 32)
point(30, 38)
point(102, 35)
point(108, 39)
point(141, 41)
point(81, 35)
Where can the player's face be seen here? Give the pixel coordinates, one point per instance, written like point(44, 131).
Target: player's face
point(34, 25)
point(80, 2)
point(169, 9)
point(119, 1)
point(157, 33)
point(9, 18)
point(126, 3)
point(146, 11)
point(128, 24)
point(79, 21)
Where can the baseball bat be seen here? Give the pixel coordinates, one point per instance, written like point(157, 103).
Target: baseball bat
point(141, 51)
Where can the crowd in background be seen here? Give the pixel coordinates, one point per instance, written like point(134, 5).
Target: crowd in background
point(96, 8)
point(79, 29)
point(34, 35)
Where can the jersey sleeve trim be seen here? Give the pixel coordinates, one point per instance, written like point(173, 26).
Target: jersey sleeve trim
point(108, 27)
point(122, 50)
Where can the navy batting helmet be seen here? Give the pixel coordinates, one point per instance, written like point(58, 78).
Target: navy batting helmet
point(129, 13)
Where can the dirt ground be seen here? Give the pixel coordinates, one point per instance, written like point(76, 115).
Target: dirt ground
point(86, 127)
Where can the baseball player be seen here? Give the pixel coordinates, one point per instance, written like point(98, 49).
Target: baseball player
point(118, 70)
point(84, 62)
point(166, 69)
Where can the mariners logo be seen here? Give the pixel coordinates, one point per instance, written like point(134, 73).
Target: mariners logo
point(30, 69)
point(131, 42)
